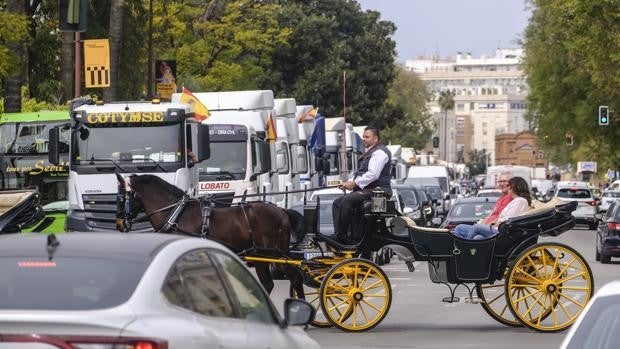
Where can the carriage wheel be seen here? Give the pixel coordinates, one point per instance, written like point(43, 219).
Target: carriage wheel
point(555, 292)
point(355, 295)
point(313, 297)
point(494, 303)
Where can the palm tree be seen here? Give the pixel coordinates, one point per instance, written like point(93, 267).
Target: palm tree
point(116, 33)
point(446, 102)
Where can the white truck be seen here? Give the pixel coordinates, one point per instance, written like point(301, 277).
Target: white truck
point(399, 169)
point(355, 148)
point(288, 150)
point(493, 173)
point(335, 167)
point(243, 159)
point(126, 138)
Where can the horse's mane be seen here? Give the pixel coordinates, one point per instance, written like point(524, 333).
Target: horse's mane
point(168, 190)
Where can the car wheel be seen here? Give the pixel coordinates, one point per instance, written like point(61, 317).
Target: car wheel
point(605, 259)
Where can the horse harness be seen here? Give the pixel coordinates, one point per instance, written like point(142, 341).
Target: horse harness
point(170, 224)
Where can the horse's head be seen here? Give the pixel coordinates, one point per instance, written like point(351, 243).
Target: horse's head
point(127, 204)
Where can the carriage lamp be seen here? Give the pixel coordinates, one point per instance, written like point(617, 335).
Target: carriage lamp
point(378, 201)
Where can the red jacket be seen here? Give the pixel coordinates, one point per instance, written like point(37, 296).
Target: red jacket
point(498, 208)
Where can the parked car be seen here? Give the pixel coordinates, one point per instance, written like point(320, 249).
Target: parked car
point(608, 234)
point(147, 290)
point(489, 193)
point(607, 198)
point(416, 206)
point(587, 204)
point(468, 211)
point(598, 326)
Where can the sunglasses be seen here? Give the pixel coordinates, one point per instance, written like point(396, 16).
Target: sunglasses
point(502, 181)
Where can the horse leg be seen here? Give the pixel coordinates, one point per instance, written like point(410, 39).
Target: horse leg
point(264, 276)
point(296, 279)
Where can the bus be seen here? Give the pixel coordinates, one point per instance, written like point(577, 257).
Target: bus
point(24, 162)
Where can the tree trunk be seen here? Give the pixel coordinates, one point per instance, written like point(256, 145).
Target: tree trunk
point(116, 33)
point(67, 65)
point(15, 78)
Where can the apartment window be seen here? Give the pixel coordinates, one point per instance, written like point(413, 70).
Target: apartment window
point(471, 106)
point(460, 133)
point(484, 132)
point(484, 124)
point(460, 122)
point(460, 106)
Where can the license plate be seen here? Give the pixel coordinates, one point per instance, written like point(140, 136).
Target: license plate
point(312, 255)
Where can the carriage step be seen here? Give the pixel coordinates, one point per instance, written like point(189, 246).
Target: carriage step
point(450, 299)
point(410, 266)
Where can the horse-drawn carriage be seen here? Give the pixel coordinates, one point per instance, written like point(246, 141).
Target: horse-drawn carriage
point(517, 279)
point(19, 209)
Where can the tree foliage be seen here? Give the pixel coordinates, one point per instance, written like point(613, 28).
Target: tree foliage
point(573, 65)
point(13, 29)
point(407, 103)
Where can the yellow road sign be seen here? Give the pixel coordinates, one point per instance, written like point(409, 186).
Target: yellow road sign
point(97, 63)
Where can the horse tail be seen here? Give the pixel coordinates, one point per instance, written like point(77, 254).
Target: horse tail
point(298, 226)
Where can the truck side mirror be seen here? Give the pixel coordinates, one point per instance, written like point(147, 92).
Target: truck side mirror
point(203, 146)
point(281, 163)
point(302, 159)
point(318, 164)
point(53, 153)
point(265, 157)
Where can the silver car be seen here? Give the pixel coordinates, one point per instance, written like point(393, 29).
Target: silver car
point(112, 290)
point(586, 204)
point(607, 198)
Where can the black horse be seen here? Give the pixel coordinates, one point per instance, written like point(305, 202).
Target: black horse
point(250, 228)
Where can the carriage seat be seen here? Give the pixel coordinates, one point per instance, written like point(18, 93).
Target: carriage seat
point(10, 200)
point(411, 224)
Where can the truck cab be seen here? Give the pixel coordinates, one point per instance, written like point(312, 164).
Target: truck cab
point(399, 169)
point(243, 157)
point(126, 138)
point(335, 166)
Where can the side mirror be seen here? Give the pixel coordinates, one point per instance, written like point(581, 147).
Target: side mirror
point(298, 312)
point(265, 157)
point(204, 148)
point(407, 210)
point(318, 164)
point(447, 197)
point(53, 153)
point(301, 156)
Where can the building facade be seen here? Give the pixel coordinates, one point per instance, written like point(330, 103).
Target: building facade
point(519, 149)
point(489, 99)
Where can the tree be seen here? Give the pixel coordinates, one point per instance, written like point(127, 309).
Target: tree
point(446, 102)
point(477, 162)
point(572, 67)
point(15, 51)
point(407, 103)
point(327, 39)
point(116, 34)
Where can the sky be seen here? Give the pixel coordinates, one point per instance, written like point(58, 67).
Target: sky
point(427, 27)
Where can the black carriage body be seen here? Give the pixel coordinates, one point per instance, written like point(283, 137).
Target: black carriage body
point(455, 260)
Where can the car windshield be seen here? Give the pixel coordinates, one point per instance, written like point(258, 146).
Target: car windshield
point(481, 209)
point(434, 192)
point(600, 327)
point(490, 194)
point(67, 283)
point(408, 197)
point(228, 161)
point(332, 162)
point(573, 193)
point(30, 137)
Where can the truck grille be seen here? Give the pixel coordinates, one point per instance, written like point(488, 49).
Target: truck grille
point(100, 212)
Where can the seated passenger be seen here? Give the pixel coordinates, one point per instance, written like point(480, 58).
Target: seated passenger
point(374, 172)
point(521, 201)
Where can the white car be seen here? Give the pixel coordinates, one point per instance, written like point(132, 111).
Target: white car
point(147, 290)
point(607, 198)
point(489, 193)
point(586, 203)
point(598, 326)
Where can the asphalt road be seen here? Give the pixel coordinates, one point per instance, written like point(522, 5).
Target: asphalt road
point(419, 319)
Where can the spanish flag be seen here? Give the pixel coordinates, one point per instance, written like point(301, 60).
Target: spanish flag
point(200, 110)
point(271, 129)
point(308, 115)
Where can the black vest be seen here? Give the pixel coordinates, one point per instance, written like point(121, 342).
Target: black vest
point(386, 173)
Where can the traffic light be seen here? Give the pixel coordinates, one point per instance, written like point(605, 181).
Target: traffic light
point(73, 15)
point(435, 142)
point(603, 115)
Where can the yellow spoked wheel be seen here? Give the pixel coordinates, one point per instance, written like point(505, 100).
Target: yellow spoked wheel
point(355, 295)
point(548, 286)
point(313, 297)
point(494, 303)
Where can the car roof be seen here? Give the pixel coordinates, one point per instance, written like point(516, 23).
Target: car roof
point(133, 246)
point(609, 289)
point(576, 184)
point(475, 200)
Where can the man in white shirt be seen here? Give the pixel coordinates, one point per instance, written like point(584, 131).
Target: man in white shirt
point(374, 172)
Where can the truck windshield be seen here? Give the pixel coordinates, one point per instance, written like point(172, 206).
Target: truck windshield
point(24, 164)
point(228, 161)
point(127, 145)
point(229, 152)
